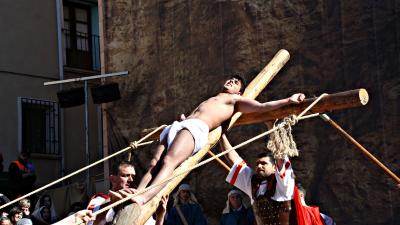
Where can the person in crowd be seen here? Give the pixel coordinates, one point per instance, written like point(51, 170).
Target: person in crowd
point(121, 178)
point(3, 200)
point(25, 221)
point(25, 205)
point(312, 212)
point(4, 220)
point(15, 215)
point(42, 216)
point(186, 209)
point(46, 201)
point(235, 212)
point(22, 175)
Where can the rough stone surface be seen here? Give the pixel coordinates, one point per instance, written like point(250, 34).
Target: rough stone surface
point(179, 51)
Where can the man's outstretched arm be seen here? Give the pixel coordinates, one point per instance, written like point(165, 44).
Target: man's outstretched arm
point(232, 156)
point(245, 105)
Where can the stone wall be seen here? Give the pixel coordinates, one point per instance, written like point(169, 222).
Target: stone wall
point(178, 52)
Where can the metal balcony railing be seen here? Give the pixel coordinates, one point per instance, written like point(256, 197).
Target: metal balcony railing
point(82, 50)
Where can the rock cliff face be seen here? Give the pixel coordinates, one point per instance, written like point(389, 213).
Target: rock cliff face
point(178, 52)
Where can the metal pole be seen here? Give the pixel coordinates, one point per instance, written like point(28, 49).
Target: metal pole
point(363, 150)
point(87, 153)
point(86, 119)
point(59, 16)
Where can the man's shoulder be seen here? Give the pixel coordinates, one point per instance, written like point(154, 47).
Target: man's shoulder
point(98, 199)
point(228, 96)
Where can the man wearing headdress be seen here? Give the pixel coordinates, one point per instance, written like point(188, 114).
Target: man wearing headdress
point(235, 212)
point(186, 209)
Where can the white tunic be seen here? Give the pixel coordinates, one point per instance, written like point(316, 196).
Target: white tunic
point(240, 176)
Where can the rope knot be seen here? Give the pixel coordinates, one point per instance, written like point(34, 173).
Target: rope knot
point(281, 142)
point(291, 120)
point(134, 144)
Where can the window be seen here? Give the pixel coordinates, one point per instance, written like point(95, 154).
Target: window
point(39, 126)
point(81, 47)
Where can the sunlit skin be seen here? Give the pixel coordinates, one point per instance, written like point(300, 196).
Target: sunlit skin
point(124, 179)
point(264, 167)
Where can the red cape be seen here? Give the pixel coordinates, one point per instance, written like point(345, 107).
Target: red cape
point(306, 215)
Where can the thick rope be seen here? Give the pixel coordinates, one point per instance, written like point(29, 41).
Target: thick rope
point(281, 142)
point(132, 146)
point(298, 118)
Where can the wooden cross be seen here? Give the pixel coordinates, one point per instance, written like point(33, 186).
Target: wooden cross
point(135, 215)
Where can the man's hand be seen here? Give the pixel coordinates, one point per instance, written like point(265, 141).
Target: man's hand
point(297, 98)
point(84, 215)
point(162, 207)
point(161, 210)
point(123, 193)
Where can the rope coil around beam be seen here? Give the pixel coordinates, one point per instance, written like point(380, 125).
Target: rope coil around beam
point(136, 145)
point(301, 116)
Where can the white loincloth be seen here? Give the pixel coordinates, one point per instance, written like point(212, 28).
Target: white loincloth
point(198, 128)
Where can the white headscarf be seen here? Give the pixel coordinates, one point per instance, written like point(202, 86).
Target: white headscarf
point(184, 187)
point(52, 208)
point(37, 214)
point(227, 208)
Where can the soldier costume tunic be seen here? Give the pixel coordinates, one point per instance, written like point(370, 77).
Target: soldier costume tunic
point(271, 198)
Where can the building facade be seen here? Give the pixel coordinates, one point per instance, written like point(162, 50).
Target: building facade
point(44, 41)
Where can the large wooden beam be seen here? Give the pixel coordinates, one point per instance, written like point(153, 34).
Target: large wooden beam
point(135, 215)
point(336, 101)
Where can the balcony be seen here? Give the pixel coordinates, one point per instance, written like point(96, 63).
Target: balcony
point(82, 50)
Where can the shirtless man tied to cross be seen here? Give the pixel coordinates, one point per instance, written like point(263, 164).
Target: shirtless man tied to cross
point(183, 139)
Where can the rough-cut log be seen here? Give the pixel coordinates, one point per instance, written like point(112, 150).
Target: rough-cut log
point(340, 100)
point(135, 215)
point(337, 101)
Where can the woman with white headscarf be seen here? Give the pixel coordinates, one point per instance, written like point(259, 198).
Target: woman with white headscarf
point(186, 210)
point(45, 200)
point(235, 212)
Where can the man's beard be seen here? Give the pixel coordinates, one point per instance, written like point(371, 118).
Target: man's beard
point(261, 176)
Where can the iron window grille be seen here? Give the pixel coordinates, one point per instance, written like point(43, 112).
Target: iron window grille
point(40, 126)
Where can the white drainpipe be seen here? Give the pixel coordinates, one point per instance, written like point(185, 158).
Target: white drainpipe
point(59, 12)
